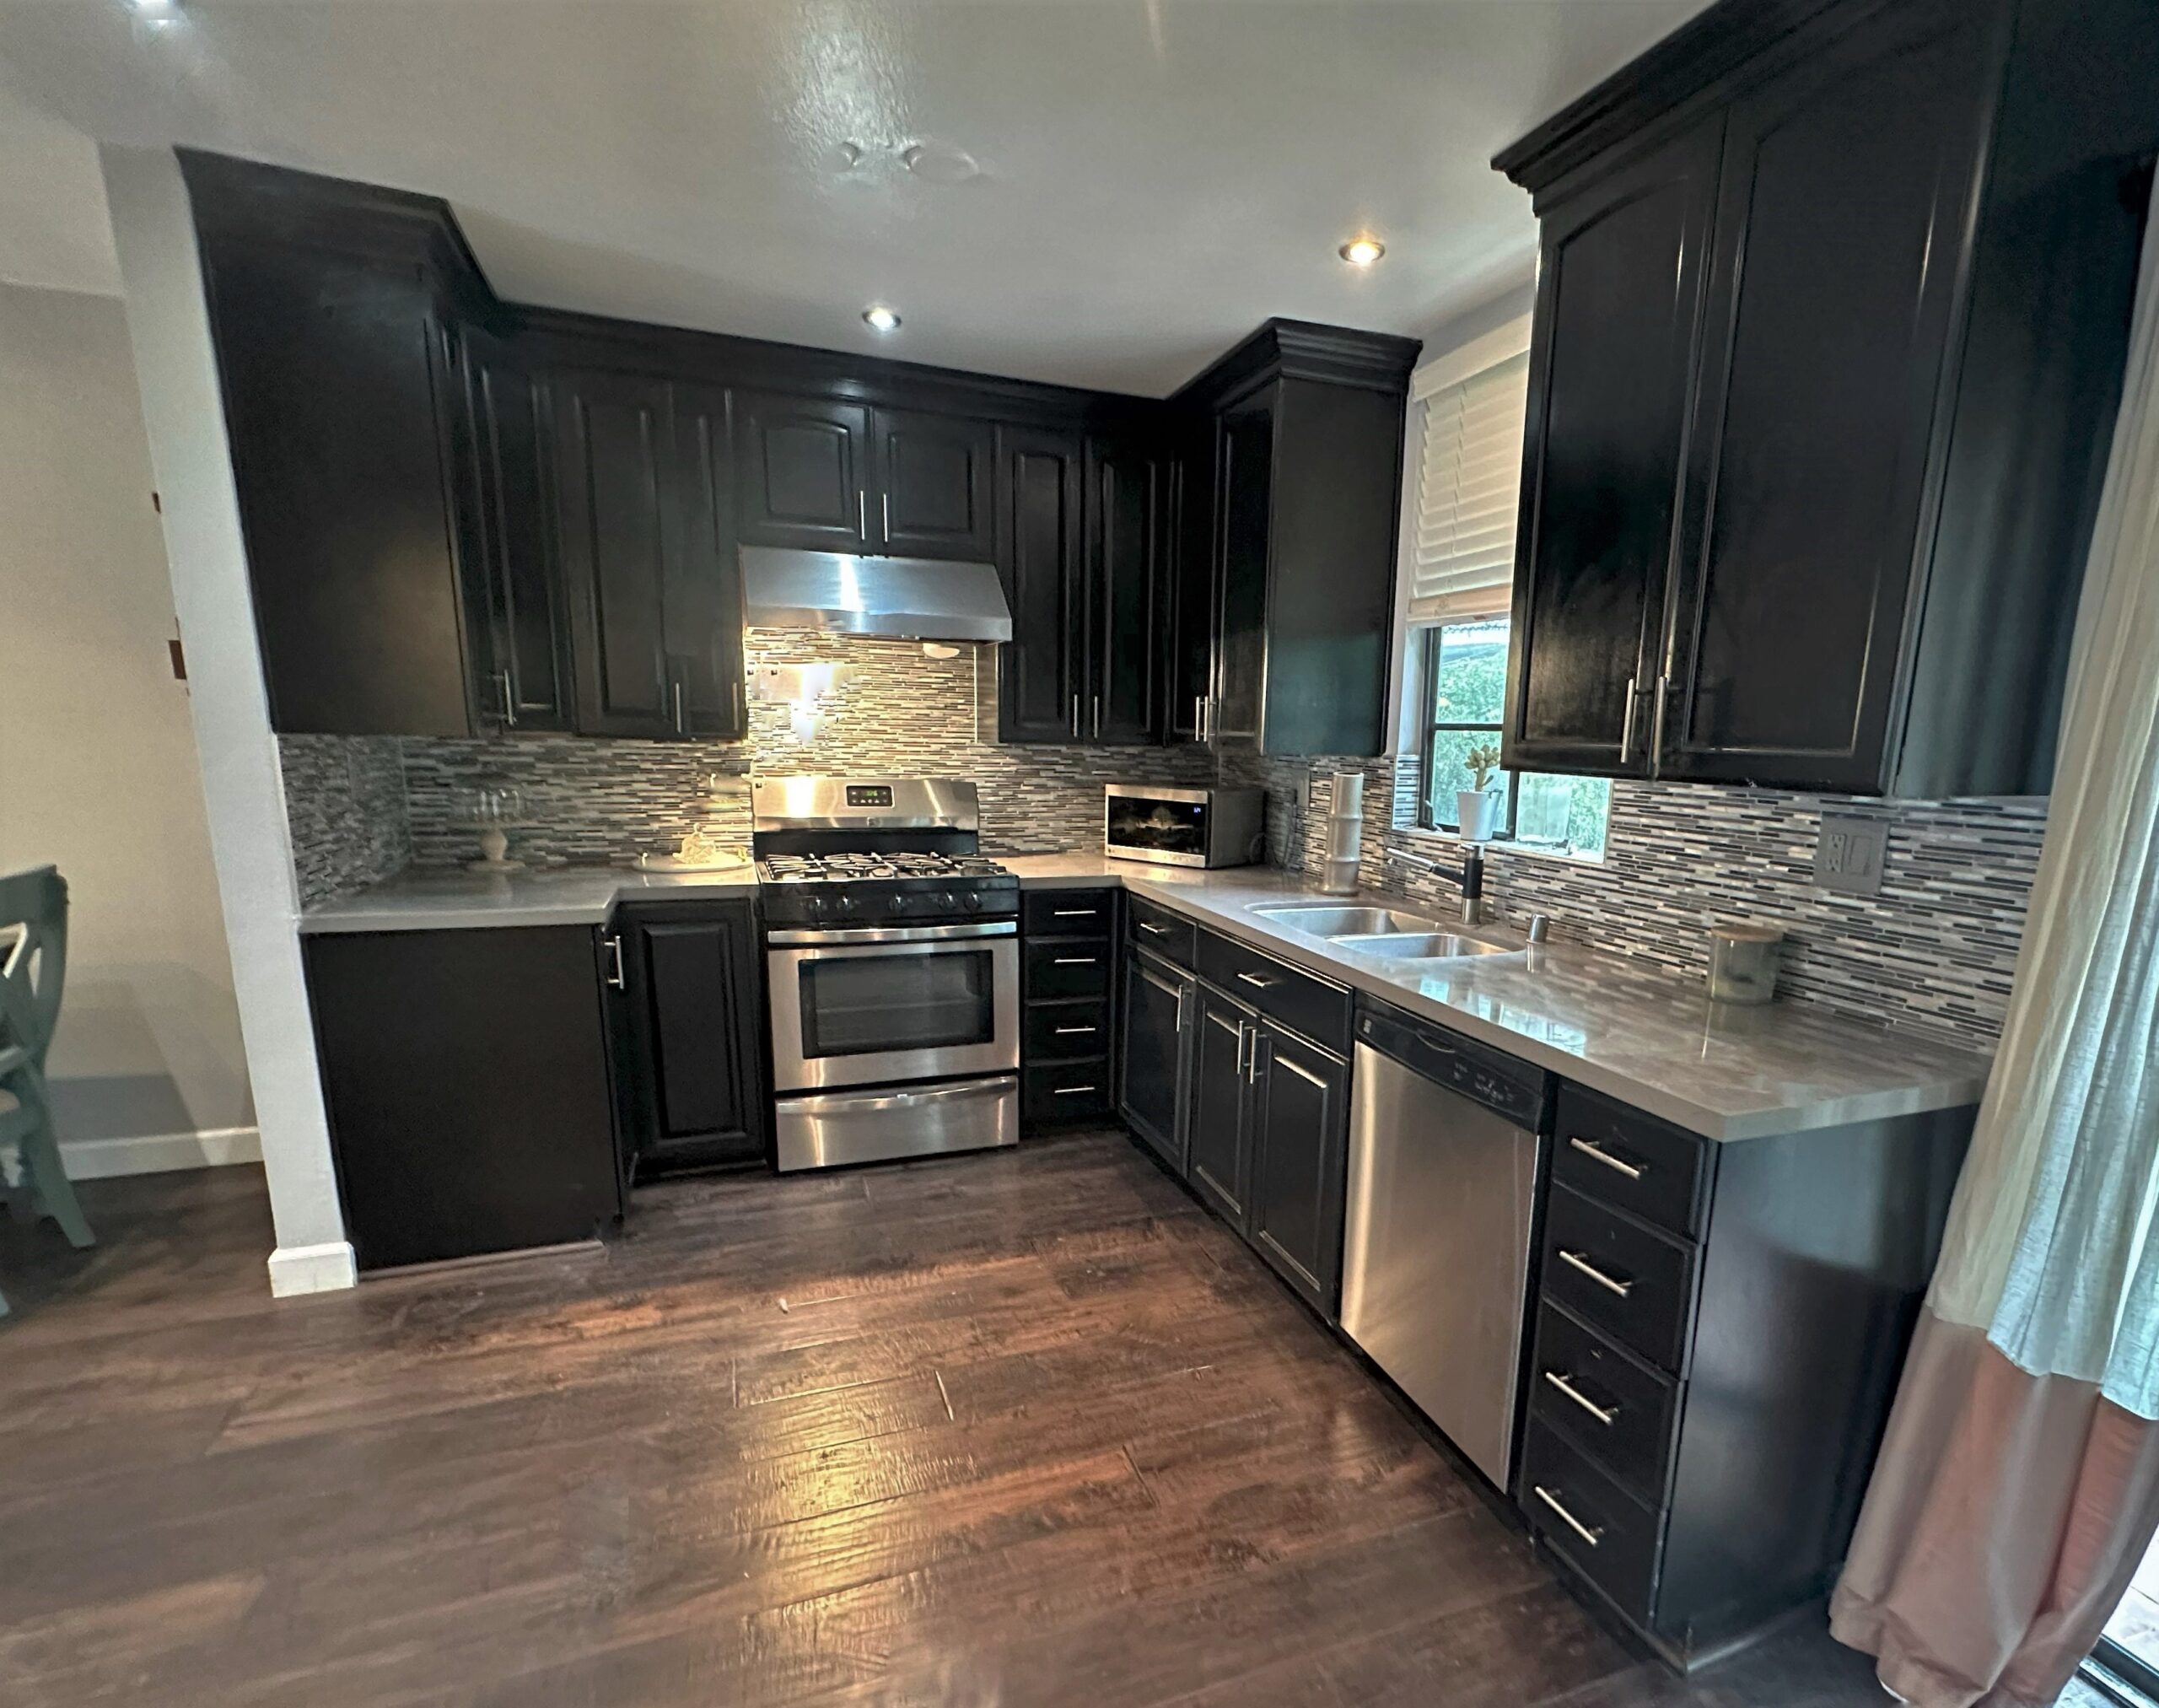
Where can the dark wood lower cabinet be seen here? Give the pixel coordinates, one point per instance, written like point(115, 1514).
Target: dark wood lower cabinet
point(1299, 1150)
point(692, 1077)
point(1160, 1001)
point(467, 1078)
point(1219, 1154)
point(1068, 993)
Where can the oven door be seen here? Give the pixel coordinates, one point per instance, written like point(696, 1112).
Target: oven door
point(875, 1007)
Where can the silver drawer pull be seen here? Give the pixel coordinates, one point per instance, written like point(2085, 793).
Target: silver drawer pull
point(1590, 1536)
point(1575, 1260)
point(1153, 929)
point(1074, 961)
point(1596, 1153)
point(1076, 1091)
point(1067, 1030)
point(1257, 982)
point(1074, 913)
point(1603, 1414)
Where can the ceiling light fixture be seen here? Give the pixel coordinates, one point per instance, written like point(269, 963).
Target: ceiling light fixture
point(882, 318)
point(155, 12)
point(1362, 251)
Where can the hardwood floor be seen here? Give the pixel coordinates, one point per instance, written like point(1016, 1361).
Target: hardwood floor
point(1015, 1428)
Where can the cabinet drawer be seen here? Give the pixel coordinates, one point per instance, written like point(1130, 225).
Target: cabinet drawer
point(1066, 1091)
point(1059, 971)
point(1624, 1157)
point(1609, 1403)
point(1055, 1031)
point(1597, 1525)
point(1320, 1011)
point(1161, 932)
point(1620, 1277)
point(1068, 913)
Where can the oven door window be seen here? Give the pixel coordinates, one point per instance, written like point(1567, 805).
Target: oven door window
point(1158, 826)
point(869, 1004)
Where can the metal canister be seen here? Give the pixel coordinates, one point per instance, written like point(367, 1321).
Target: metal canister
point(1743, 962)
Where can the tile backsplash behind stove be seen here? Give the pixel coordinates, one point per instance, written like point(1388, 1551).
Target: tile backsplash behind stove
point(361, 808)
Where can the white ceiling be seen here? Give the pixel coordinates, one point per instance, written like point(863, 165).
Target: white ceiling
point(1157, 176)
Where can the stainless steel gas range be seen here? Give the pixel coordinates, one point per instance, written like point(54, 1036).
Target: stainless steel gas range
point(892, 952)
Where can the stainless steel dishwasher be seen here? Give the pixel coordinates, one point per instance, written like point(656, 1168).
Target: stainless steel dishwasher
point(1443, 1152)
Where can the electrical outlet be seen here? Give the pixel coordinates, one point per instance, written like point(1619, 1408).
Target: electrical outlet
point(1849, 855)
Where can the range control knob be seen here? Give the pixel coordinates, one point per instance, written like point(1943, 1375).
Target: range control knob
point(902, 903)
point(945, 901)
point(813, 907)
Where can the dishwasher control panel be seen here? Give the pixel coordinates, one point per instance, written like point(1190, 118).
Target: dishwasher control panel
point(1508, 1087)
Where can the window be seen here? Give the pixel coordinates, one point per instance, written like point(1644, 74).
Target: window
point(1464, 688)
point(1467, 485)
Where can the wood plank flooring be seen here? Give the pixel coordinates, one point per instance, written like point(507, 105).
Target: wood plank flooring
point(1018, 1429)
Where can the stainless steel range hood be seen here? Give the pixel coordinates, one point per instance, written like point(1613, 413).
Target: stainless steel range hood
point(907, 598)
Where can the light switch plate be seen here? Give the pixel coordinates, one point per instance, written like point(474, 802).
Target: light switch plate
point(1849, 855)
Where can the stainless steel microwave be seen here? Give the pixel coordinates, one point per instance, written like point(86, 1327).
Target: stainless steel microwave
point(1184, 827)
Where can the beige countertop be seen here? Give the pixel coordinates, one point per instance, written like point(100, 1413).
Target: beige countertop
point(1614, 1024)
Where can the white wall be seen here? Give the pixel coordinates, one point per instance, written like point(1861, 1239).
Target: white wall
point(175, 367)
point(98, 773)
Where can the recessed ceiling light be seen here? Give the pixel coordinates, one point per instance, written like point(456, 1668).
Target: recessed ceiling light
point(159, 12)
point(1362, 251)
point(882, 318)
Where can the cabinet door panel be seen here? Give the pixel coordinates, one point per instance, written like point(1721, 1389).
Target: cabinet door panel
point(1843, 198)
point(1040, 557)
point(1191, 595)
point(1619, 302)
point(1218, 1148)
point(525, 671)
point(701, 1023)
point(933, 496)
point(615, 476)
point(1151, 1084)
point(1299, 1152)
point(1245, 471)
point(704, 591)
point(802, 472)
point(1128, 529)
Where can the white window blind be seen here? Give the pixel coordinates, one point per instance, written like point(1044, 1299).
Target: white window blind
point(1468, 486)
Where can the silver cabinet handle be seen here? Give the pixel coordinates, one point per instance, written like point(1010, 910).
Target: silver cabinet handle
point(1098, 717)
point(1603, 1414)
point(885, 517)
point(1596, 1153)
point(1199, 717)
point(1627, 721)
point(1153, 930)
point(861, 512)
point(1575, 1260)
point(1184, 1004)
point(1074, 961)
point(1068, 1031)
point(1074, 1091)
point(1244, 1037)
point(1252, 1060)
point(1590, 1536)
point(615, 964)
point(1075, 717)
point(1074, 913)
point(734, 699)
point(1656, 722)
point(1257, 982)
point(1212, 719)
point(681, 728)
point(509, 699)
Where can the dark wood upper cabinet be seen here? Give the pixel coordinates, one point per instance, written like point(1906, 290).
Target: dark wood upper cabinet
point(1897, 390)
point(1307, 488)
point(340, 397)
point(705, 587)
point(803, 472)
point(519, 625)
point(934, 486)
point(1617, 309)
point(616, 481)
point(1040, 557)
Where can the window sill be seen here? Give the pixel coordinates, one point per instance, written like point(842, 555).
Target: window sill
point(1415, 833)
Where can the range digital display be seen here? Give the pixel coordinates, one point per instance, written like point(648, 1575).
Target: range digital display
point(870, 794)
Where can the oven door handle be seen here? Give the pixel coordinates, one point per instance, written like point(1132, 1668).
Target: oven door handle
point(819, 937)
point(875, 1101)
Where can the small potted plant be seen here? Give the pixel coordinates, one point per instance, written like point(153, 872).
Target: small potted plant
point(1477, 809)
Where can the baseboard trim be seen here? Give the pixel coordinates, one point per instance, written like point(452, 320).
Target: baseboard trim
point(160, 1153)
point(323, 1269)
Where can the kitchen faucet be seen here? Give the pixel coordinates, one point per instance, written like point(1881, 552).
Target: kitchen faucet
point(1471, 878)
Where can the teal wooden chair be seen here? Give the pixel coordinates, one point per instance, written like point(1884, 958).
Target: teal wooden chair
point(33, 966)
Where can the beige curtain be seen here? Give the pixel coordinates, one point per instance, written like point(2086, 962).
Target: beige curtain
point(2018, 1485)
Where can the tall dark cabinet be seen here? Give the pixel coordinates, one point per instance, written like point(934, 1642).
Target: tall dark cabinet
point(1830, 331)
point(1306, 491)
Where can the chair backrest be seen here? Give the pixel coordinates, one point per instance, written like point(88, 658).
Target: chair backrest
point(33, 957)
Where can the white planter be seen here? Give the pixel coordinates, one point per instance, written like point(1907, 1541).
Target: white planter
point(1478, 814)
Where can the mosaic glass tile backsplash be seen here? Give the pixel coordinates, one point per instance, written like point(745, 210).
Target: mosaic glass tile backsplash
point(1935, 950)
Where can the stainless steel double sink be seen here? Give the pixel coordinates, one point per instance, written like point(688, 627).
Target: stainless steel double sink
point(1383, 931)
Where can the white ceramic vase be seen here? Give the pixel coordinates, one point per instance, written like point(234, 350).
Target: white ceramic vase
point(1477, 813)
